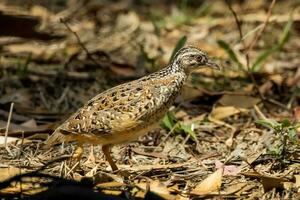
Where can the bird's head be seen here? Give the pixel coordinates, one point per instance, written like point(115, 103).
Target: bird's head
point(189, 58)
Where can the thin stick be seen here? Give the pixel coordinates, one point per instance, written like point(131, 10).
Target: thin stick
point(260, 114)
point(237, 21)
point(254, 41)
point(259, 34)
point(81, 44)
point(7, 127)
point(252, 44)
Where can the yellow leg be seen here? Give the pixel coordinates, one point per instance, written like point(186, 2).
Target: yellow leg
point(106, 151)
point(77, 154)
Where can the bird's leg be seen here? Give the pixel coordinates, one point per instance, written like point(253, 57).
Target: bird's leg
point(77, 154)
point(106, 151)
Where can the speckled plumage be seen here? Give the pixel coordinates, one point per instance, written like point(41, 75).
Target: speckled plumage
point(127, 111)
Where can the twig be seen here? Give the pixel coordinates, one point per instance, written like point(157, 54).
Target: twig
point(89, 55)
point(237, 21)
point(19, 158)
point(254, 41)
point(259, 34)
point(7, 127)
point(260, 114)
point(62, 97)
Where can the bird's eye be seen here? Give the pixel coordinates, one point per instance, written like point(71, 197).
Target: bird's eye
point(200, 58)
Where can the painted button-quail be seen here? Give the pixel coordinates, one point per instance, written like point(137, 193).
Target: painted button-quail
point(127, 111)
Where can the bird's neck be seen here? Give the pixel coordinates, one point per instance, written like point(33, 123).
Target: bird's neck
point(174, 67)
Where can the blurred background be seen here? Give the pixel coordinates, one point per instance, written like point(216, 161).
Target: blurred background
point(71, 50)
point(56, 55)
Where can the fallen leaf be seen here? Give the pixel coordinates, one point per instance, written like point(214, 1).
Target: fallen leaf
point(6, 173)
point(29, 124)
point(228, 170)
point(158, 188)
point(234, 188)
point(238, 101)
point(277, 79)
point(249, 186)
point(268, 182)
point(211, 184)
point(223, 112)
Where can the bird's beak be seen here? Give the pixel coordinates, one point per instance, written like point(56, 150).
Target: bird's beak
point(212, 64)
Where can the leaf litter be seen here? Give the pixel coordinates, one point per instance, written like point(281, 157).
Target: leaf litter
point(226, 137)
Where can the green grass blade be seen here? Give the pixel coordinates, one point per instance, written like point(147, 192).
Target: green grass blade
point(282, 40)
point(181, 42)
point(286, 32)
point(169, 120)
point(261, 58)
point(224, 45)
point(188, 130)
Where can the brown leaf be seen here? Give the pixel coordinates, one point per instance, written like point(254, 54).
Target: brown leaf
point(277, 79)
point(238, 101)
point(211, 184)
point(29, 124)
point(234, 188)
point(229, 170)
point(6, 173)
point(268, 182)
point(223, 112)
point(158, 188)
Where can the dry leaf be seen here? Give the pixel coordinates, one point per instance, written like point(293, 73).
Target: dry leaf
point(158, 188)
point(29, 124)
point(223, 112)
point(268, 182)
point(236, 187)
point(238, 101)
point(277, 79)
point(6, 173)
point(211, 184)
point(229, 170)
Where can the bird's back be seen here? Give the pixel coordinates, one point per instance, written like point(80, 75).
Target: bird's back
point(124, 109)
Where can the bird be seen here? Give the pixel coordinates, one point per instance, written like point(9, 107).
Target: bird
point(125, 112)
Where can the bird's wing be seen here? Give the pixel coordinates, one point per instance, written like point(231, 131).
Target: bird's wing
point(122, 108)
